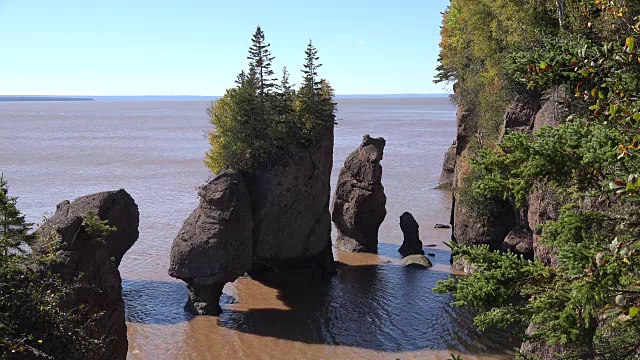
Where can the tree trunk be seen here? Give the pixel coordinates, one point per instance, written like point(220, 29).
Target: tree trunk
point(560, 5)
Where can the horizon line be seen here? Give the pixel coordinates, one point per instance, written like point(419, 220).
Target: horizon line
point(148, 95)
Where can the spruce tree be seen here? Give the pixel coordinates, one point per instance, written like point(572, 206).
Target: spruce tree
point(310, 84)
point(14, 230)
point(260, 59)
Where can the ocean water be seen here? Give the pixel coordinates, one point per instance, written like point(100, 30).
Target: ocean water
point(373, 309)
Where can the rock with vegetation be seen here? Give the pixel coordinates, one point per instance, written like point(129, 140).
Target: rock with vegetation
point(116, 207)
point(416, 261)
point(448, 167)
point(77, 238)
point(574, 173)
point(215, 244)
point(359, 200)
point(62, 300)
point(411, 245)
point(281, 140)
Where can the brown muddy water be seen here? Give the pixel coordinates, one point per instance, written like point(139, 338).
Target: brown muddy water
point(373, 309)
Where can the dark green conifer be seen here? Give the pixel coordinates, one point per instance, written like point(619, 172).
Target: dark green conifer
point(14, 230)
point(260, 59)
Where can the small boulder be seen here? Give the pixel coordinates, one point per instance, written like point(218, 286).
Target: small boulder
point(359, 201)
point(215, 244)
point(442, 226)
point(411, 244)
point(417, 261)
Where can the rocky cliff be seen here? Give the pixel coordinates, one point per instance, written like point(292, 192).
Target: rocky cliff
point(89, 263)
point(448, 167)
point(506, 228)
point(520, 228)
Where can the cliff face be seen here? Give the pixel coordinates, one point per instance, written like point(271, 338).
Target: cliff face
point(448, 167)
point(507, 228)
point(520, 228)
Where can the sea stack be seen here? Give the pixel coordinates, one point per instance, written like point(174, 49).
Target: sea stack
point(90, 263)
point(411, 244)
point(292, 223)
point(359, 201)
point(215, 243)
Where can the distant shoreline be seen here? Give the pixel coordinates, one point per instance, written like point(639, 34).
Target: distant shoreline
point(43, 98)
point(190, 97)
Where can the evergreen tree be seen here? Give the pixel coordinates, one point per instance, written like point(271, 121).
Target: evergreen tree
point(14, 230)
point(311, 86)
point(258, 122)
point(260, 59)
point(286, 129)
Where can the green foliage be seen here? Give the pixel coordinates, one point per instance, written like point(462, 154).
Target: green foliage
point(590, 301)
point(14, 230)
point(34, 321)
point(258, 123)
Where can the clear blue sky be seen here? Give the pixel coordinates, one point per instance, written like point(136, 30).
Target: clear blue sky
point(197, 47)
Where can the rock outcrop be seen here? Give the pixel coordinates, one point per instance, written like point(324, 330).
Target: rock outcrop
point(416, 261)
point(90, 263)
point(448, 168)
point(215, 244)
point(411, 245)
point(115, 206)
point(520, 115)
point(359, 201)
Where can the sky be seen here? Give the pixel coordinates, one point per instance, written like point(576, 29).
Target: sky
point(197, 47)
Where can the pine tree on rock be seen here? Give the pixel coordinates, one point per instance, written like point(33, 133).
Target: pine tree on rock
point(310, 83)
point(14, 230)
point(260, 59)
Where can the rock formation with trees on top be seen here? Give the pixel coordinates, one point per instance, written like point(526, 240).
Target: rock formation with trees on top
point(267, 212)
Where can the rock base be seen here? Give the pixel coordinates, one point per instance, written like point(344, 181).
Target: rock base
point(204, 299)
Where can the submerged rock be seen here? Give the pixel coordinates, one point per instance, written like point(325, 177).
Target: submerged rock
point(359, 201)
point(215, 244)
point(411, 244)
point(417, 261)
point(90, 263)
